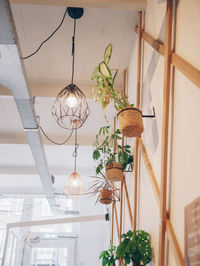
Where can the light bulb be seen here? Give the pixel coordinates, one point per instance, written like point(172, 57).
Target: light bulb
point(71, 101)
point(74, 185)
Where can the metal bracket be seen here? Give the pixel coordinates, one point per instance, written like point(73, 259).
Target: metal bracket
point(150, 116)
point(107, 217)
point(129, 169)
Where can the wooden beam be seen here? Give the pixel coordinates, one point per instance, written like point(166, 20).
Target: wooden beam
point(165, 129)
point(170, 231)
point(192, 73)
point(180, 261)
point(121, 216)
point(134, 5)
point(128, 204)
point(117, 222)
point(138, 106)
point(154, 43)
point(139, 57)
point(150, 171)
point(135, 183)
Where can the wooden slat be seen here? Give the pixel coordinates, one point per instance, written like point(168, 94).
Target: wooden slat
point(134, 5)
point(154, 43)
point(113, 214)
point(113, 187)
point(170, 230)
point(117, 222)
point(165, 129)
point(139, 57)
point(135, 183)
point(150, 171)
point(180, 261)
point(138, 106)
point(128, 204)
point(192, 73)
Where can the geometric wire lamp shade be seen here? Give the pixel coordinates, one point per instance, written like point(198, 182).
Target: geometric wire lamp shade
point(74, 185)
point(70, 108)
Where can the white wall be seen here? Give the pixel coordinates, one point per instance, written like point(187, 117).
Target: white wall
point(185, 129)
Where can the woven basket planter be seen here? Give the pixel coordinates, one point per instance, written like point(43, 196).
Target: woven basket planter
point(130, 122)
point(105, 196)
point(114, 172)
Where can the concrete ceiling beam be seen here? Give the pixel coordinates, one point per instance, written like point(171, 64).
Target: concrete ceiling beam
point(133, 5)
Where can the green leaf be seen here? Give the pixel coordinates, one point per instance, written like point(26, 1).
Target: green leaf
point(108, 53)
point(104, 70)
point(96, 155)
point(115, 75)
point(95, 73)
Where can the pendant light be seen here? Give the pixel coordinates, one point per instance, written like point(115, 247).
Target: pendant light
point(74, 185)
point(70, 108)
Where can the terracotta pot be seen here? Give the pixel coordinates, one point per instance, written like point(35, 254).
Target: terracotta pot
point(105, 196)
point(130, 122)
point(114, 172)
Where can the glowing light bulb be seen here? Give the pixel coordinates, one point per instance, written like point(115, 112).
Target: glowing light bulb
point(71, 101)
point(74, 185)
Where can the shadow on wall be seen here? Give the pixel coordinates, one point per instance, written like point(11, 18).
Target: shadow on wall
point(151, 124)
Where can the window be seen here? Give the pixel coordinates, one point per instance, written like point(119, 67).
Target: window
point(44, 256)
point(11, 206)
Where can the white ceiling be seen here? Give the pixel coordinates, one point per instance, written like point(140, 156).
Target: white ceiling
point(51, 66)
point(50, 71)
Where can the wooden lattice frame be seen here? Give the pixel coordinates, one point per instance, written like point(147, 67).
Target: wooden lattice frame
point(193, 74)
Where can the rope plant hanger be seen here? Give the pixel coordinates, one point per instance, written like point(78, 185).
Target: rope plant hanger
point(70, 108)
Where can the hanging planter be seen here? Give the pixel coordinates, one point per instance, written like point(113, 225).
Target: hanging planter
point(105, 196)
point(103, 189)
point(130, 122)
point(130, 118)
point(114, 172)
point(111, 157)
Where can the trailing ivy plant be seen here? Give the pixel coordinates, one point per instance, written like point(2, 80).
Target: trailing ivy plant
point(104, 90)
point(108, 256)
point(104, 152)
point(135, 247)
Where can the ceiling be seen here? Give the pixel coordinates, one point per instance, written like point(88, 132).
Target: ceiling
point(50, 68)
point(48, 72)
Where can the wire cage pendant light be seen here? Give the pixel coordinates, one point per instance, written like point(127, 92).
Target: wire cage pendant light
point(70, 108)
point(74, 186)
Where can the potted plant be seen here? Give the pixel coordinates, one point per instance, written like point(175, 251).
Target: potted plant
point(103, 187)
point(104, 92)
point(108, 256)
point(110, 155)
point(135, 247)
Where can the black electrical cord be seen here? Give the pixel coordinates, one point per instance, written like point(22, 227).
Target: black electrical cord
point(28, 56)
point(56, 143)
point(73, 50)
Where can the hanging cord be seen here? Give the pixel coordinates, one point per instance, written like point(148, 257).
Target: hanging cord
point(73, 50)
point(62, 143)
point(75, 153)
point(28, 56)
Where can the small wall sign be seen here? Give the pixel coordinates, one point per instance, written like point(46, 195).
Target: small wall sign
point(192, 233)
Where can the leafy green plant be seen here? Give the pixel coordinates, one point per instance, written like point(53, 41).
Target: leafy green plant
point(103, 91)
point(104, 151)
point(135, 247)
point(108, 256)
